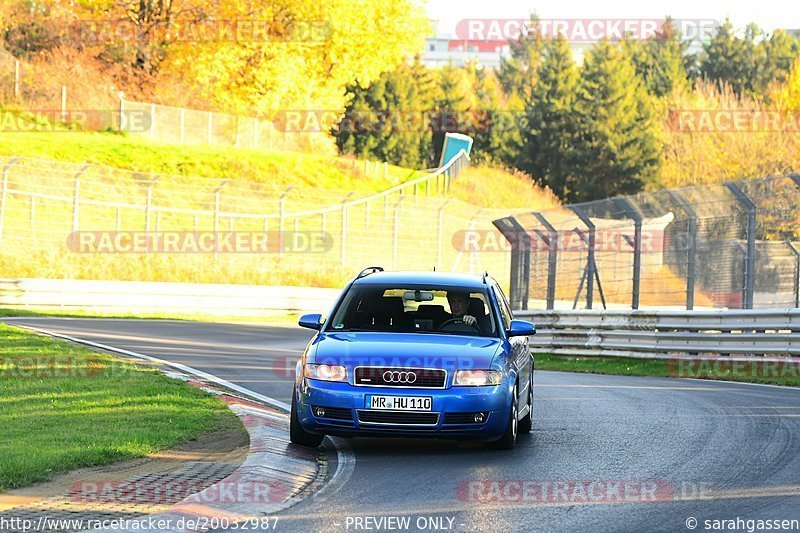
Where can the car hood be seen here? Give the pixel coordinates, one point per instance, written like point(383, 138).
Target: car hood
point(408, 350)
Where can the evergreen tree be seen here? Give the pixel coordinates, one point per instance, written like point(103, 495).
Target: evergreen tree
point(517, 74)
point(661, 60)
point(616, 149)
point(730, 59)
point(454, 105)
point(548, 136)
point(388, 120)
point(489, 116)
point(777, 54)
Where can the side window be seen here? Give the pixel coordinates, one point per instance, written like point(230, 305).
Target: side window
point(505, 312)
point(505, 301)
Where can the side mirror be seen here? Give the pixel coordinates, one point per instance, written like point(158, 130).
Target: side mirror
point(521, 328)
point(313, 321)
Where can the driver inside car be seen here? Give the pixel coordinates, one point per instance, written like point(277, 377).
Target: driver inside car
point(460, 308)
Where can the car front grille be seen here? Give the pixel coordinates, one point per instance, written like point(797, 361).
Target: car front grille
point(400, 418)
point(417, 378)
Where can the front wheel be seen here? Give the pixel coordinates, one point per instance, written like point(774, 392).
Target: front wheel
point(297, 434)
point(526, 424)
point(509, 438)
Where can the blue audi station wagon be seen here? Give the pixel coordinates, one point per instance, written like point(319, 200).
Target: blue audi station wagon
point(416, 354)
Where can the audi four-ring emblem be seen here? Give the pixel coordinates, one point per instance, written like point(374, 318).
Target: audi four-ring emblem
point(398, 376)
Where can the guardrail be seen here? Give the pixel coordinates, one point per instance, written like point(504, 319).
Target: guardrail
point(122, 296)
point(667, 334)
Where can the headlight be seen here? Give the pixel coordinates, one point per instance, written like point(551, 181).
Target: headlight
point(475, 378)
point(326, 372)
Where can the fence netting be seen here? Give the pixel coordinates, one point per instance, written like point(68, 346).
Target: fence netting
point(733, 245)
point(327, 235)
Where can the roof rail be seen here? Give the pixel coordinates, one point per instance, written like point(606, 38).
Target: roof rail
point(369, 270)
point(485, 275)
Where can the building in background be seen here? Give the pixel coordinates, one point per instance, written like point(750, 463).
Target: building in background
point(443, 49)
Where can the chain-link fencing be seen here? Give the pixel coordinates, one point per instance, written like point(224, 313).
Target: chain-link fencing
point(733, 245)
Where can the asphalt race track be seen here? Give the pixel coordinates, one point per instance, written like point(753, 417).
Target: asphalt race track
point(607, 453)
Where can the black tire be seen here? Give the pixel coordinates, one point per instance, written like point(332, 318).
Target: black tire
point(509, 438)
point(297, 434)
point(526, 424)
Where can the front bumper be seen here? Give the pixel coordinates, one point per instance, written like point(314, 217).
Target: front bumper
point(493, 400)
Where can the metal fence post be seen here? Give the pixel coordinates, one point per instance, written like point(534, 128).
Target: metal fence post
point(750, 258)
point(121, 116)
point(76, 201)
point(281, 216)
point(16, 79)
point(552, 259)
point(344, 228)
point(63, 103)
point(148, 206)
point(439, 226)
point(152, 121)
point(591, 267)
point(691, 247)
point(634, 214)
point(796, 254)
point(4, 194)
point(255, 132)
point(396, 231)
point(520, 274)
point(182, 118)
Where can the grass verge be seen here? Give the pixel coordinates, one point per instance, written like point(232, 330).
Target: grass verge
point(64, 407)
point(786, 373)
point(277, 168)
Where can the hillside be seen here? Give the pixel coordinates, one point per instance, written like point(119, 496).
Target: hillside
point(481, 186)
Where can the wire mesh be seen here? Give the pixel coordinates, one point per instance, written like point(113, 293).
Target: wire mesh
point(695, 247)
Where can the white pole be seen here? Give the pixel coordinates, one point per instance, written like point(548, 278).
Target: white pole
point(63, 103)
point(16, 79)
point(121, 110)
point(152, 121)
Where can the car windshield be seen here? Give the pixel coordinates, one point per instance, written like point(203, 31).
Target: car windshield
point(415, 309)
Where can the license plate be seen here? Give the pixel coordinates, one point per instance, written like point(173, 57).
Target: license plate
point(399, 403)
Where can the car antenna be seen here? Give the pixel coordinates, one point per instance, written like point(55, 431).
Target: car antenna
point(434, 268)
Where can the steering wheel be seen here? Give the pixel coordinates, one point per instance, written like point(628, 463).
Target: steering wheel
point(460, 322)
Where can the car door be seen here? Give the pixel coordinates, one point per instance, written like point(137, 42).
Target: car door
point(520, 352)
